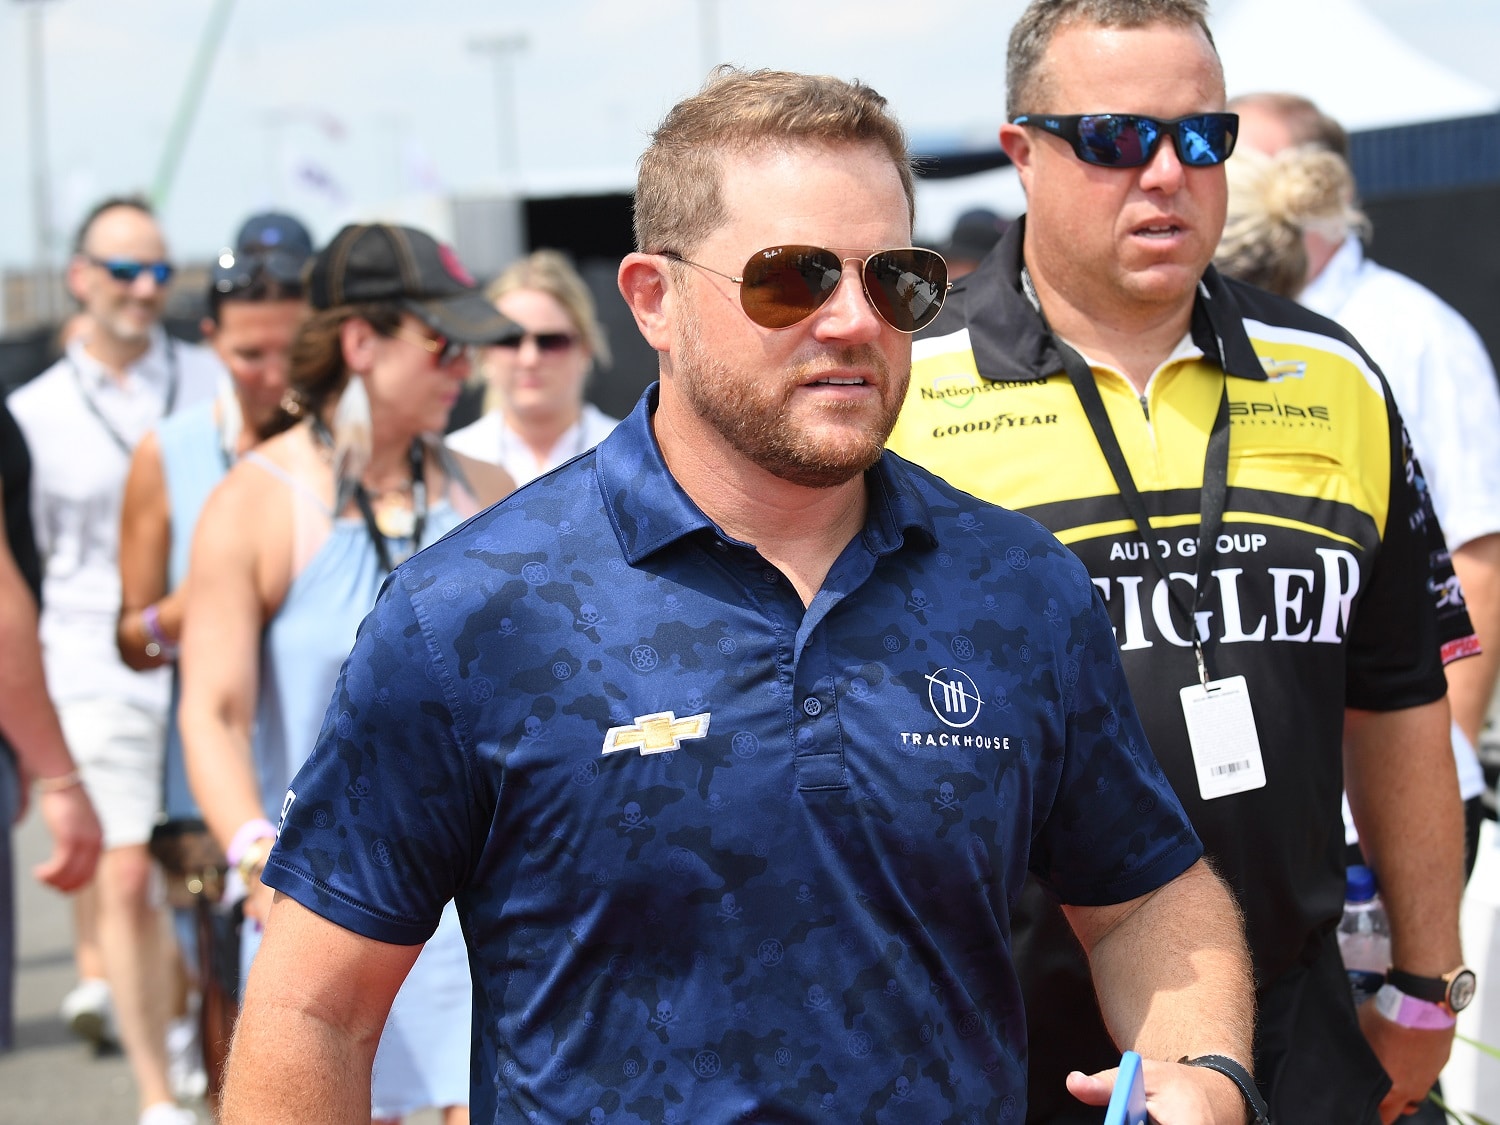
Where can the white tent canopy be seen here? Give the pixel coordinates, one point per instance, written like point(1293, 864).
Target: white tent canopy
point(1345, 59)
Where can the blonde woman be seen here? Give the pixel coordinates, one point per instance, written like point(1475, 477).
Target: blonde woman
point(1273, 202)
point(535, 416)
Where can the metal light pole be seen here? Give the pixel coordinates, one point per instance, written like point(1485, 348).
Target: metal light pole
point(502, 50)
point(41, 178)
point(708, 34)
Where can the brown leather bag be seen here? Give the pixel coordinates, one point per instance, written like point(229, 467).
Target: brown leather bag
point(191, 860)
point(195, 869)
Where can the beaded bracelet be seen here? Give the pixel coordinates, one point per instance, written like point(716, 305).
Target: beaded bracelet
point(59, 783)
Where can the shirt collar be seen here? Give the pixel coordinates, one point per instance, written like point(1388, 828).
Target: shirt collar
point(1011, 342)
point(1327, 293)
point(649, 509)
point(154, 366)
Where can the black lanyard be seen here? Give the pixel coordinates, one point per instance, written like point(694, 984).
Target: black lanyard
point(1214, 492)
point(115, 435)
point(417, 458)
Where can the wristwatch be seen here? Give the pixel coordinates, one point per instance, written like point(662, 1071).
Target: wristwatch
point(1257, 1111)
point(1453, 990)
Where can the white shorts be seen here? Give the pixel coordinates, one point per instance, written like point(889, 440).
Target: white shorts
point(120, 749)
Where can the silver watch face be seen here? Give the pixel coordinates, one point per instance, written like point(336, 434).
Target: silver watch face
point(1461, 990)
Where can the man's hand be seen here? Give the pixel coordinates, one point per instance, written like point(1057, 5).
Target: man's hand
point(1413, 1057)
point(1175, 1094)
point(76, 839)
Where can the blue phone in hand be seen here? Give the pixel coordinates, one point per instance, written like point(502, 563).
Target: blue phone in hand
point(1127, 1104)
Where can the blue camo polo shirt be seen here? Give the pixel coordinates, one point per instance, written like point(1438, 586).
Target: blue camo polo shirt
point(719, 857)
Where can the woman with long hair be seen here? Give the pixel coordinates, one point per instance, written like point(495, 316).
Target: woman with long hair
point(289, 554)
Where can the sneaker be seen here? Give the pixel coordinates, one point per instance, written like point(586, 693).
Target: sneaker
point(167, 1113)
point(88, 1013)
point(185, 1071)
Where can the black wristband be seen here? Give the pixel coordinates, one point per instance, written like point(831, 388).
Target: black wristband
point(1259, 1114)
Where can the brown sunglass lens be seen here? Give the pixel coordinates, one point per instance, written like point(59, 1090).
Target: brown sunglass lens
point(906, 287)
point(786, 284)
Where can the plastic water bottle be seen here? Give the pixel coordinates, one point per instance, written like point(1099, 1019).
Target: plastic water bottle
point(1364, 935)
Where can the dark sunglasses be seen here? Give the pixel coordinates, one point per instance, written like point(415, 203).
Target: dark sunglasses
point(235, 272)
point(448, 351)
point(544, 341)
point(1128, 140)
point(784, 285)
point(127, 269)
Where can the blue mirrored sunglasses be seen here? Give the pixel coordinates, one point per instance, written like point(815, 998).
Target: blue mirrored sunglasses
point(1129, 140)
point(127, 269)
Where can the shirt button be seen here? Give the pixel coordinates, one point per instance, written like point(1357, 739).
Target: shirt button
point(812, 707)
point(770, 576)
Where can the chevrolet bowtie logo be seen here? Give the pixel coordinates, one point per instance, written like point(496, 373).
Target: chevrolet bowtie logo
point(655, 734)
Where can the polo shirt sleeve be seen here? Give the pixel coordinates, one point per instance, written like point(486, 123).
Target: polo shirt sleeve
point(378, 827)
point(1116, 829)
point(1411, 609)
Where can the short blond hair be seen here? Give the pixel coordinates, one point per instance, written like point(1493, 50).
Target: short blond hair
point(550, 272)
point(679, 198)
point(1273, 201)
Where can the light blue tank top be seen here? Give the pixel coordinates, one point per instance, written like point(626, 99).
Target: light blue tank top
point(305, 644)
point(192, 463)
point(423, 1056)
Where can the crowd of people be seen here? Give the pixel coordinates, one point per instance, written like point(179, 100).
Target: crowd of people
point(949, 675)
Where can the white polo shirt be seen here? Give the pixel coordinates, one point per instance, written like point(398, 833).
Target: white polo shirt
point(1441, 375)
point(1445, 388)
point(81, 425)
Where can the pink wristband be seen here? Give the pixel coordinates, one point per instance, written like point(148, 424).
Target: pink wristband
point(1408, 1011)
point(249, 832)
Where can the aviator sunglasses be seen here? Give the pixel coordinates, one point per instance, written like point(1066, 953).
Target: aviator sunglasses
point(127, 269)
point(1129, 140)
point(784, 285)
point(545, 341)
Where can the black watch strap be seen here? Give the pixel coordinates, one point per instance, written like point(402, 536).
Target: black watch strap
point(1259, 1114)
point(1432, 989)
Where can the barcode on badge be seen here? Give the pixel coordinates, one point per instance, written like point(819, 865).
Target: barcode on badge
point(1229, 768)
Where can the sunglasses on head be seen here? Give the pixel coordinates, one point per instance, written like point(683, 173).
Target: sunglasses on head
point(128, 269)
point(544, 341)
point(234, 271)
point(1129, 140)
point(784, 285)
point(448, 352)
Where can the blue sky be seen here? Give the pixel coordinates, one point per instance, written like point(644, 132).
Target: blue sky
point(336, 107)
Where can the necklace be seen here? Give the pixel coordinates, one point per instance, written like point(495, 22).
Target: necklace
point(396, 523)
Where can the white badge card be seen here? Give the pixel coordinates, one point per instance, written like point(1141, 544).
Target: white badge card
point(1221, 732)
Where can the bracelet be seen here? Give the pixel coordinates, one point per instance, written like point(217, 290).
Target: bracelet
point(1259, 1113)
point(1410, 1011)
point(59, 783)
point(157, 643)
point(253, 861)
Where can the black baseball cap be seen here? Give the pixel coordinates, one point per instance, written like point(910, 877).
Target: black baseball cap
point(381, 262)
point(975, 234)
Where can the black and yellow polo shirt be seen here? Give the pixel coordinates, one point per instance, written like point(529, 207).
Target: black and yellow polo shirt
point(1321, 589)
